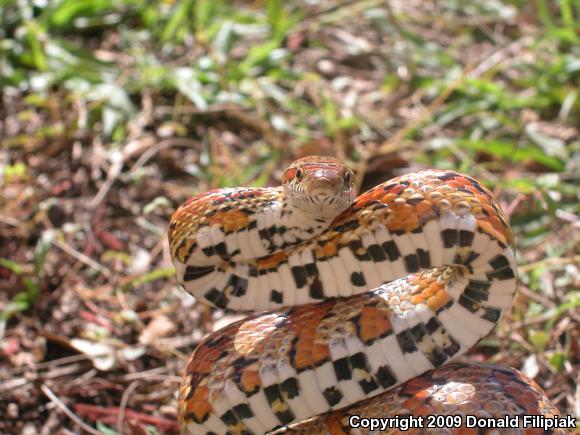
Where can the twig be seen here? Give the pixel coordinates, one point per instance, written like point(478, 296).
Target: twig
point(499, 56)
point(259, 123)
point(533, 321)
point(43, 365)
point(465, 157)
point(9, 220)
point(397, 142)
point(61, 371)
point(108, 414)
point(167, 143)
point(112, 174)
point(509, 210)
point(518, 338)
point(334, 13)
point(156, 373)
point(554, 261)
point(60, 405)
point(399, 30)
point(448, 21)
point(192, 110)
point(12, 384)
point(524, 291)
point(362, 165)
point(124, 400)
point(82, 257)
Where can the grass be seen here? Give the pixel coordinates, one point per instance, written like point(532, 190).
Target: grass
point(112, 113)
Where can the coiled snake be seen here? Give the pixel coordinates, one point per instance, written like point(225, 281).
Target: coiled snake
point(378, 289)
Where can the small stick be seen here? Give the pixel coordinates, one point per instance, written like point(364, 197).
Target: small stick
point(123, 406)
point(81, 257)
point(60, 405)
point(553, 261)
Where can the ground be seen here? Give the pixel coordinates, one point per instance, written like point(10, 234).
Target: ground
point(113, 113)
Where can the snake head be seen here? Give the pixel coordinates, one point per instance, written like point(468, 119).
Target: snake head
point(321, 187)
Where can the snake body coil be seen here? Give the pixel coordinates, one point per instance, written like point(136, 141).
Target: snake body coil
point(378, 290)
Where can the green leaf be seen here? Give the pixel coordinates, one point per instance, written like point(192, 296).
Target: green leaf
point(16, 305)
point(205, 11)
point(572, 303)
point(539, 339)
point(544, 12)
point(179, 19)
point(224, 39)
point(36, 56)
point(162, 272)
point(40, 251)
point(551, 146)
point(12, 265)
point(106, 430)
point(257, 56)
point(567, 14)
point(160, 202)
point(185, 80)
point(66, 11)
point(511, 151)
point(557, 360)
point(15, 172)
point(32, 290)
point(277, 17)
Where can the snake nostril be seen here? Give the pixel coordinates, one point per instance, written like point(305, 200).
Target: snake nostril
point(328, 184)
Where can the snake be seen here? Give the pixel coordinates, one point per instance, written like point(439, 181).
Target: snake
point(357, 305)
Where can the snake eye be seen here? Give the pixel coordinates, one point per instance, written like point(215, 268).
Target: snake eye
point(299, 174)
point(347, 178)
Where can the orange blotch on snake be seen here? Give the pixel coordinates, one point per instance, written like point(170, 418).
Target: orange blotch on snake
point(488, 209)
point(422, 410)
point(320, 352)
point(439, 300)
point(232, 220)
point(181, 250)
point(250, 379)
point(397, 189)
point(423, 207)
point(389, 198)
point(474, 190)
point(198, 406)
point(487, 227)
point(334, 425)
point(417, 299)
point(203, 363)
point(459, 181)
point(271, 261)
point(303, 323)
point(434, 287)
point(406, 221)
point(403, 211)
point(305, 356)
point(373, 324)
point(326, 250)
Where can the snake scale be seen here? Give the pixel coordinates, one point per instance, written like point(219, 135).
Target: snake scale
point(359, 297)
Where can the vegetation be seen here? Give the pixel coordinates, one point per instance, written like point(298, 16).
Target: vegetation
point(113, 112)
